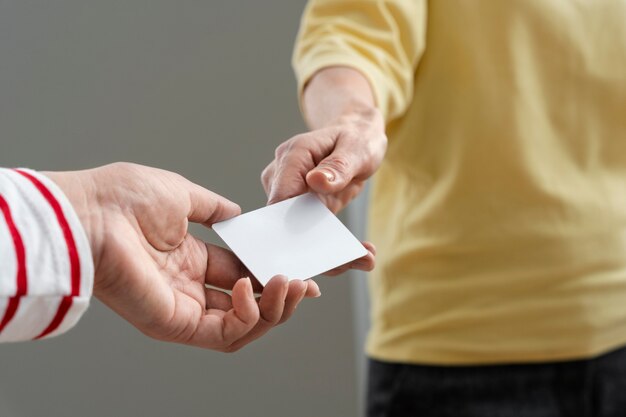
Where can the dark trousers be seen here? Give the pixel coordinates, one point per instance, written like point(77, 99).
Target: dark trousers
point(582, 388)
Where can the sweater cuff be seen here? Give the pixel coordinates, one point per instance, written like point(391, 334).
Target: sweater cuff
point(47, 271)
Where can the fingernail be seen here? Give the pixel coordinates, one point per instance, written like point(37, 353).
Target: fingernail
point(318, 293)
point(330, 176)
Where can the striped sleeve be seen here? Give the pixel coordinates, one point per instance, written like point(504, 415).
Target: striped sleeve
point(46, 267)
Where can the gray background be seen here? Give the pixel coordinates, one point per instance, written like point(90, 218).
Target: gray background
point(204, 89)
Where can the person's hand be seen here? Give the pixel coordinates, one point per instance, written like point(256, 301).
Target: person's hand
point(345, 147)
point(333, 162)
point(152, 272)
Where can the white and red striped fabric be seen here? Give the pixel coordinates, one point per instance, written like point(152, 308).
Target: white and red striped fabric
point(46, 267)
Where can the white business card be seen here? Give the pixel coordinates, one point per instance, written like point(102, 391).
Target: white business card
point(299, 238)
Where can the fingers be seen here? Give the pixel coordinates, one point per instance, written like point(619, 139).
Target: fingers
point(370, 247)
point(267, 177)
point(365, 263)
point(333, 174)
point(278, 302)
point(240, 318)
point(285, 177)
point(288, 180)
point(312, 289)
point(243, 316)
point(218, 329)
point(297, 291)
point(206, 207)
point(272, 303)
point(337, 170)
point(325, 161)
point(217, 299)
point(224, 269)
point(231, 322)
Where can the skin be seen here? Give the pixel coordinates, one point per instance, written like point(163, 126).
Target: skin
point(344, 147)
point(151, 271)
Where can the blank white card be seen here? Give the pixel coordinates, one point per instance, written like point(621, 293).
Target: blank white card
point(299, 238)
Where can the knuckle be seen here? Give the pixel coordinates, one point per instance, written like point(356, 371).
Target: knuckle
point(123, 165)
point(294, 150)
point(340, 164)
point(303, 144)
point(377, 150)
point(127, 169)
point(295, 146)
point(299, 138)
point(283, 148)
point(280, 151)
point(270, 320)
point(267, 174)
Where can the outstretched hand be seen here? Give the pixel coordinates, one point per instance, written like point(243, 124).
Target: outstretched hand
point(153, 273)
point(345, 146)
point(334, 162)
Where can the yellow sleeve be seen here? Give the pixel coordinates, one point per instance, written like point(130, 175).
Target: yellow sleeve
point(383, 40)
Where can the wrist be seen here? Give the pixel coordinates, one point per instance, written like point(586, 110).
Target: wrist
point(340, 95)
point(360, 115)
point(354, 113)
point(80, 190)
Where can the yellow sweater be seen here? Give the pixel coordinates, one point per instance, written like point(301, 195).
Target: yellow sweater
point(499, 212)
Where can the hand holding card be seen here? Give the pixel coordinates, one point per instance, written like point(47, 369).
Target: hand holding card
point(299, 238)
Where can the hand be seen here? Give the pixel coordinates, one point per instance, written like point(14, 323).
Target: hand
point(333, 162)
point(152, 272)
point(365, 263)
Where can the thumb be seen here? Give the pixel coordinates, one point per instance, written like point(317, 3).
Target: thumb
point(333, 173)
point(207, 207)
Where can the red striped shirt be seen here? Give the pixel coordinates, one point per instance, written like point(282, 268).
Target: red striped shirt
point(20, 255)
point(72, 251)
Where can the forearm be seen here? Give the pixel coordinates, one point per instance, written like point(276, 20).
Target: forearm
point(338, 95)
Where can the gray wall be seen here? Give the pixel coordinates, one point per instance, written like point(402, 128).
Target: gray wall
point(201, 88)
point(356, 215)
